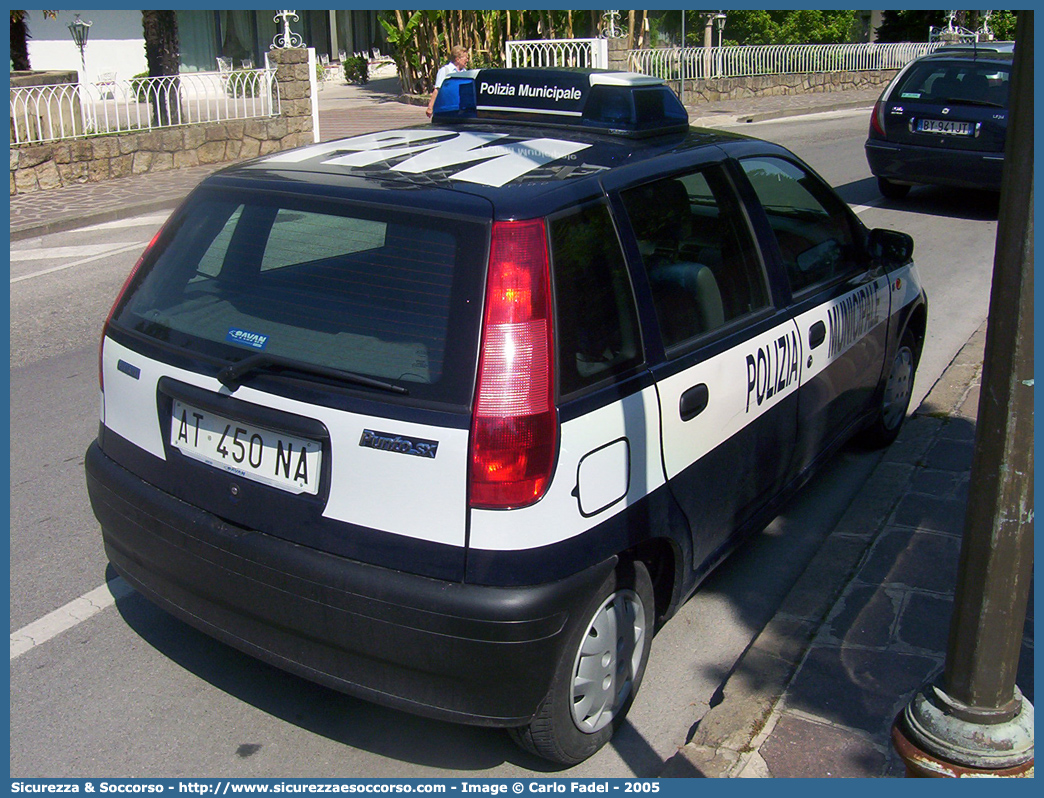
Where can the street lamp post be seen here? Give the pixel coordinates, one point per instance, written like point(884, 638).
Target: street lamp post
point(79, 30)
point(719, 24)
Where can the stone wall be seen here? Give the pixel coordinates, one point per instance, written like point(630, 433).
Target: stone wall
point(715, 89)
point(36, 167)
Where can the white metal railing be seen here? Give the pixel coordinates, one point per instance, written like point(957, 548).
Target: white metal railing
point(694, 63)
point(71, 110)
point(590, 53)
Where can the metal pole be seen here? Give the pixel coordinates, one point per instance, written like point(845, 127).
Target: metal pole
point(976, 721)
point(682, 59)
point(984, 642)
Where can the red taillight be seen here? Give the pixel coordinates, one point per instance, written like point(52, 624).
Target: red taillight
point(877, 119)
point(119, 298)
point(514, 432)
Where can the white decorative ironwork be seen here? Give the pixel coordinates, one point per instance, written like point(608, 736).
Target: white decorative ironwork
point(70, 110)
point(286, 38)
point(611, 25)
point(952, 33)
point(695, 63)
point(586, 53)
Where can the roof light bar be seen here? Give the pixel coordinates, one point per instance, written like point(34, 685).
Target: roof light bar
point(618, 102)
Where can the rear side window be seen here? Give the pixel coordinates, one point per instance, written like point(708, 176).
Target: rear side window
point(385, 295)
point(955, 83)
point(698, 253)
point(597, 323)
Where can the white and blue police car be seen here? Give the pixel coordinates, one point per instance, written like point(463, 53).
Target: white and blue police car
point(453, 417)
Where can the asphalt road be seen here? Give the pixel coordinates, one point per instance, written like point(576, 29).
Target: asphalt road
point(128, 691)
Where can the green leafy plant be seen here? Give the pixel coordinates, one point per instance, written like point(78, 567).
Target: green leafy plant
point(480, 59)
point(1002, 23)
point(402, 39)
point(356, 69)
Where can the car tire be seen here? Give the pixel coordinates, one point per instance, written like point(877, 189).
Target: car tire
point(895, 395)
point(892, 190)
point(599, 673)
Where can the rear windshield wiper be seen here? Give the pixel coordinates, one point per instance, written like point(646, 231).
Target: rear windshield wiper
point(967, 101)
point(232, 376)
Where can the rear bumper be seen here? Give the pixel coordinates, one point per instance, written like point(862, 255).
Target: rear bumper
point(466, 653)
point(907, 163)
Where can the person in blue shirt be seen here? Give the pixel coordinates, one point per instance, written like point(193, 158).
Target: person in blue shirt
point(457, 63)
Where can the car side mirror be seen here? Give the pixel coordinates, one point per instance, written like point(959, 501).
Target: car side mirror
point(890, 245)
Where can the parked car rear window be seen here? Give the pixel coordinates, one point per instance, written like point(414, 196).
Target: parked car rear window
point(387, 295)
point(955, 83)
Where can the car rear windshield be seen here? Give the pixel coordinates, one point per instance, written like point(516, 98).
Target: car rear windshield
point(390, 295)
point(955, 83)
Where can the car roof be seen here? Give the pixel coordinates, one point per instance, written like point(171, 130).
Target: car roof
point(527, 166)
point(978, 47)
point(971, 52)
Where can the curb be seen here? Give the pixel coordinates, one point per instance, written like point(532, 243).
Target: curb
point(87, 219)
point(731, 118)
point(782, 113)
point(414, 99)
point(117, 199)
point(726, 740)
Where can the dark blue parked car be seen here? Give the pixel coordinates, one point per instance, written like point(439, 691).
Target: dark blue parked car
point(942, 121)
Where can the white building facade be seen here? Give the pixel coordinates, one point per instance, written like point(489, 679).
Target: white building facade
point(116, 45)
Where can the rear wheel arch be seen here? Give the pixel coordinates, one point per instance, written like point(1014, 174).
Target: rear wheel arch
point(663, 560)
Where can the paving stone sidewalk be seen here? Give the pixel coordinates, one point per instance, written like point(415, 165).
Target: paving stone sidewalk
point(344, 110)
point(867, 623)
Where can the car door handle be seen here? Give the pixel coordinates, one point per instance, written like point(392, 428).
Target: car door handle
point(693, 402)
point(816, 334)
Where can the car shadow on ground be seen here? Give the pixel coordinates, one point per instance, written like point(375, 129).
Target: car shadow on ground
point(970, 204)
point(341, 718)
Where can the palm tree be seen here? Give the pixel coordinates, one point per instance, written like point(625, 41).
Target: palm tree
point(163, 55)
point(20, 38)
